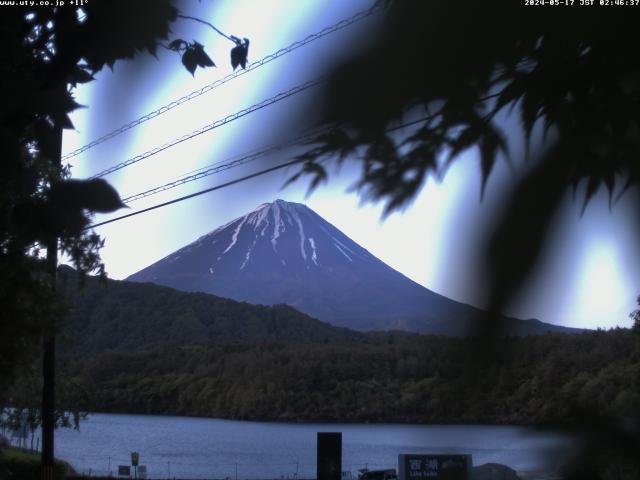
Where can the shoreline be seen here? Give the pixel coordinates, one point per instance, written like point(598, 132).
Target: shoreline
point(287, 421)
point(74, 473)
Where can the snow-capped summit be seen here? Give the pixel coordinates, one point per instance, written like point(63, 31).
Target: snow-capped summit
point(284, 252)
point(295, 233)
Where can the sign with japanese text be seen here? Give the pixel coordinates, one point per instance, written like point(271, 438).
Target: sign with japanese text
point(434, 467)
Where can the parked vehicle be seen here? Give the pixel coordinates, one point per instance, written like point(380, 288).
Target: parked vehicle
point(389, 474)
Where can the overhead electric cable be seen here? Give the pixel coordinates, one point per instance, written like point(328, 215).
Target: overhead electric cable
point(236, 181)
point(237, 161)
point(252, 66)
point(217, 168)
point(201, 192)
point(218, 123)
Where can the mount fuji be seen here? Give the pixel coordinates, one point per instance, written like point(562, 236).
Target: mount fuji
point(285, 253)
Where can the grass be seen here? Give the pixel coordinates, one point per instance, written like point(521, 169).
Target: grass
point(16, 464)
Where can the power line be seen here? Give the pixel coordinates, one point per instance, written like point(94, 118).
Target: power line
point(217, 168)
point(211, 165)
point(218, 123)
point(199, 175)
point(311, 132)
point(237, 180)
point(252, 66)
point(202, 192)
point(224, 165)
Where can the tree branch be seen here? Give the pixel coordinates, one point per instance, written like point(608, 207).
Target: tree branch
point(220, 32)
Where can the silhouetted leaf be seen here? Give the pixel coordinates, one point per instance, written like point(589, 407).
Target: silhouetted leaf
point(80, 75)
point(466, 139)
point(522, 227)
point(592, 188)
point(239, 53)
point(177, 44)
point(293, 178)
point(510, 93)
point(318, 174)
point(95, 195)
point(190, 61)
point(315, 170)
point(490, 144)
point(100, 43)
point(202, 59)
point(335, 141)
point(528, 114)
point(194, 56)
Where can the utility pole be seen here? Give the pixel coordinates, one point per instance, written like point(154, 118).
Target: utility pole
point(49, 347)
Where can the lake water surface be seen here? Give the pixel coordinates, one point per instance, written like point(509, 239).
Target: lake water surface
point(188, 447)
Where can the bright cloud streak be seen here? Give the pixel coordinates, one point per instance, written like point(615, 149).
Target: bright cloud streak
point(602, 289)
point(585, 283)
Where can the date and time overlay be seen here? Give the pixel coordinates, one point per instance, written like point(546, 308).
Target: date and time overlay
point(581, 3)
point(526, 3)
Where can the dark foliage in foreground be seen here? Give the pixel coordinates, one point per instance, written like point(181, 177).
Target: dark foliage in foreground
point(17, 464)
point(46, 53)
point(458, 69)
point(400, 378)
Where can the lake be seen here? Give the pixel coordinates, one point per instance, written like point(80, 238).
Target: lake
point(187, 447)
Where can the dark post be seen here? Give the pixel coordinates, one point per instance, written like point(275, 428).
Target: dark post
point(48, 357)
point(329, 459)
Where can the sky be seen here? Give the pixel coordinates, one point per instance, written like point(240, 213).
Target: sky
point(584, 280)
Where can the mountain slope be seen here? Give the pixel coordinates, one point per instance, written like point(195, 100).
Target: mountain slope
point(284, 252)
point(126, 316)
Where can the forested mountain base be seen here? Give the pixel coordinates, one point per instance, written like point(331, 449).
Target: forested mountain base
point(129, 316)
point(552, 378)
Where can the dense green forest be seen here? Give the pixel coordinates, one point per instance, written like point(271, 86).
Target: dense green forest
point(127, 316)
point(386, 377)
point(141, 348)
